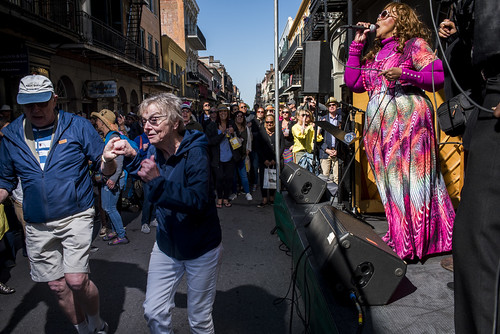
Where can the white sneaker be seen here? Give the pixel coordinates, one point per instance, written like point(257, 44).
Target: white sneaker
point(154, 223)
point(232, 197)
point(249, 197)
point(145, 228)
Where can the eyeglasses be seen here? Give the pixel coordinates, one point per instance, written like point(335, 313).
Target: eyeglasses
point(239, 116)
point(285, 112)
point(39, 104)
point(153, 120)
point(304, 115)
point(385, 14)
point(260, 111)
point(269, 122)
point(206, 105)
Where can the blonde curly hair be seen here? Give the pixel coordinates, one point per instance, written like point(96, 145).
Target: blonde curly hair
point(407, 25)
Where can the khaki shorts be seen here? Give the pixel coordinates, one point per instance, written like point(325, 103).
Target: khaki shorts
point(60, 247)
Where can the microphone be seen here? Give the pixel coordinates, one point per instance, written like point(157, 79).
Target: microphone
point(373, 27)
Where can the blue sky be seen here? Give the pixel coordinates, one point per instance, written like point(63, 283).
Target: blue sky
point(241, 35)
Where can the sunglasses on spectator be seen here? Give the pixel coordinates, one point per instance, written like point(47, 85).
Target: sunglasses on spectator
point(269, 122)
point(39, 104)
point(304, 115)
point(153, 120)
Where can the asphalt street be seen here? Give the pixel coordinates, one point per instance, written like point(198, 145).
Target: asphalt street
point(253, 279)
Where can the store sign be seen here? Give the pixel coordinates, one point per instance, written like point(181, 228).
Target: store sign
point(97, 89)
point(14, 63)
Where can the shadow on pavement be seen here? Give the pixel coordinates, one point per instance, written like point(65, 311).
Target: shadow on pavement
point(111, 278)
point(246, 309)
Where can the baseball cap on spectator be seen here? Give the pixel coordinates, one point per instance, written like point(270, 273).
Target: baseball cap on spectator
point(213, 109)
point(186, 105)
point(269, 107)
point(34, 89)
point(106, 116)
point(5, 107)
point(292, 101)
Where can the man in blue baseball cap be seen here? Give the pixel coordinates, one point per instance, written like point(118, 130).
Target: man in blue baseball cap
point(49, 151)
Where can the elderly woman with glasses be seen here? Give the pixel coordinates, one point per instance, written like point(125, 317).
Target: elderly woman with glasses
point(188, 239)
point(399, 134)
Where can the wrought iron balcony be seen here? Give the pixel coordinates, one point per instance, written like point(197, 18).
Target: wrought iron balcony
point(59, 22)
point(163, 78)
point(195, 38)
point(97, 34)
point(331, 5)
point(293, 56)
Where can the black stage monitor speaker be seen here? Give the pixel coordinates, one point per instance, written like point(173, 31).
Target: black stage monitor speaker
point(351, 254)
point(316, 68)
point(302, 185)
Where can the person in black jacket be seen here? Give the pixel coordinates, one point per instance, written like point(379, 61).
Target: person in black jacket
point(476, 250)
point(265, 145)
point(218, 134)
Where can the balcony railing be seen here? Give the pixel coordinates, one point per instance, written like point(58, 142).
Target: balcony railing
point(164, 77)
point(196, 38)
point(97, 33)
point(293, 55)
point(64, 17)
point(60, 13)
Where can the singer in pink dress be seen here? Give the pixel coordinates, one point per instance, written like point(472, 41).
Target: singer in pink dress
point(399, 134)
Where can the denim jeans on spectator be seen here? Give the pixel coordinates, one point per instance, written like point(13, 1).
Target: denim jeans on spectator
point(241, 170)
point(109, 199)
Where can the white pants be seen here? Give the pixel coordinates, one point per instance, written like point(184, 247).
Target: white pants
point(165, 274)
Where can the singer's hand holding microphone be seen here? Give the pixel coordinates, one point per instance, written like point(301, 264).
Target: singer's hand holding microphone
point(362, 28)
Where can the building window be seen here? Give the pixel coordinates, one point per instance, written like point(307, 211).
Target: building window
point(141, 37)
point(150, 43)
point(151, 4)
point(62, 96)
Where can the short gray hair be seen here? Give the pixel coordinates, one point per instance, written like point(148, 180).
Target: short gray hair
point(168, 104)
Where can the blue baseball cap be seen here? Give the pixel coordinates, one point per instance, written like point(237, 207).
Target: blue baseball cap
point(34, 89)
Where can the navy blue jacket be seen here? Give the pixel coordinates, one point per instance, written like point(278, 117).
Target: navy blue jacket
point(188, 224)
point(64, 187)
point(329, 141)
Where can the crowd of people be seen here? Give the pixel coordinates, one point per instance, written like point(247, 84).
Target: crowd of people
point(54, 165)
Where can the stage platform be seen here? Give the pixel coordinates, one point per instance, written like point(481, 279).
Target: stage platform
point(422, 303)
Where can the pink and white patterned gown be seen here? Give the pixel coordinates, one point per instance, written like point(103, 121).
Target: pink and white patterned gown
point(401, 146)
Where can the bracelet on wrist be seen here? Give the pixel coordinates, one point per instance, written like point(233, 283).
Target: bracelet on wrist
point(104, 160)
